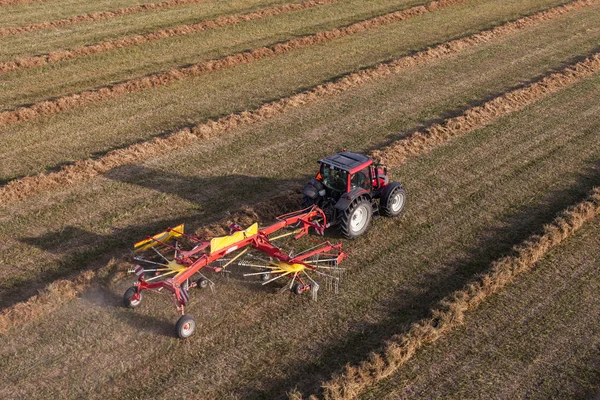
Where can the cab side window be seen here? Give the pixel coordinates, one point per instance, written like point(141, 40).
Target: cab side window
point(361, 179)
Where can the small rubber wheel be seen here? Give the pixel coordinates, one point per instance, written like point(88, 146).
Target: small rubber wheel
point(128, 297)
point(202, 283)
point(299, 288)
point(185, 327)
point(393, 200)
point(265, 277)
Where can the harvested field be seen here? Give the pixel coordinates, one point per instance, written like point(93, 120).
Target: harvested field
point(476, 119)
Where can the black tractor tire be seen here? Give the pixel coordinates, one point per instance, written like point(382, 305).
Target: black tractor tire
point(356, 218)
point(393, 200)
point(185, 327)
point(127, 298)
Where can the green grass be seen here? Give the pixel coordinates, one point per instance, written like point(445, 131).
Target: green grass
point(535, 339)
point(82, 132)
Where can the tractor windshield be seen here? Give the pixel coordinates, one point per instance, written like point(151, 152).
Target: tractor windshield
point(334, 178)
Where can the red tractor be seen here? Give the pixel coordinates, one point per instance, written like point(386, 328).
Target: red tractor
point(350, 189)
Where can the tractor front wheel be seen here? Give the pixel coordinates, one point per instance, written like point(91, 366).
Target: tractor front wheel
point(393, 200)
point(185, 327)
point(356, 219)
point(132, 298)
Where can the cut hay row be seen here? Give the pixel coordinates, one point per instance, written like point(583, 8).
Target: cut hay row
point(451, 311)
point(62, 291)
point(90, 17)
point(136, 40)
point(83, 170)
point(177, 74)
point(476, 117)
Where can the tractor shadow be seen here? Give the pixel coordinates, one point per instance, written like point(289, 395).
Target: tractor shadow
point(405, 307)
point(212, 199)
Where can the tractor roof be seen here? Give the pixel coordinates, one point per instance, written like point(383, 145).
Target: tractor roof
point(348, 161)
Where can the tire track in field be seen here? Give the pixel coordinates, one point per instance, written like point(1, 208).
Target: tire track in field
point(136, 40)
point(61, 291)
point(451, 311)
point(61, 55)
point(136, 85)
point(83, 170)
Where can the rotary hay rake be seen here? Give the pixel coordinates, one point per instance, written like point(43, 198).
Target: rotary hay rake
point(166, 268)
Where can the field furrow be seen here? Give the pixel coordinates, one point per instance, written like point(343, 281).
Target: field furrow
point(98, 48)
point(95, 16)
point(451, 313)
point(348, 326)
point(86, 169)
point(485, 111)
point(168, 78)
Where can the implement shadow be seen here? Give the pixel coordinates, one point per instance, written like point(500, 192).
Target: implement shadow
point(405, 307)
point(214, 199)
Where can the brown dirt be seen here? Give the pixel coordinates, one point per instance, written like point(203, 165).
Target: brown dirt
point(86, 169)
point(177, 74)
point(90, 17)
point(450, 314)
point(135, 40)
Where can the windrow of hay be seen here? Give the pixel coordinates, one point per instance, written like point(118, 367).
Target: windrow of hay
point(83, 170)
point(177, 74)
point(61, 291)
point(90, 17)
point(451, 311)
point(476, 117)
point(61, 55)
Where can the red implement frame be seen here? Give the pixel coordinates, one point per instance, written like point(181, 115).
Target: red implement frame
point(196, 259)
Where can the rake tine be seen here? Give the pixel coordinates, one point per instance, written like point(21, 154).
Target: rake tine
point(150, 262)
point(161, 256)
point(277, 277)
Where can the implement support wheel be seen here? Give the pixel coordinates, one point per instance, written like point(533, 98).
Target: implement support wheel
point(129, 298)
point(185, 327)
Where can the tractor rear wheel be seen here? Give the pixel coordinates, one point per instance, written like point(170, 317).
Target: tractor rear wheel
point(393, 200)
point(356, 218)
point(128, 299)
point(185, 327)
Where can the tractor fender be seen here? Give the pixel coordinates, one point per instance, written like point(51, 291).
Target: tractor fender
point(347, 199)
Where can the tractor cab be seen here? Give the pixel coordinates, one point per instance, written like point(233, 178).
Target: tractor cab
point(345, 172)
point(350, 188)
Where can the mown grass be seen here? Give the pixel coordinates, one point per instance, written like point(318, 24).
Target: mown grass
point(34, 12)
point(115, 66)
point(470, 202)
point(535, 339)
point(99, 127)
point(46, 40)
point(370, 117)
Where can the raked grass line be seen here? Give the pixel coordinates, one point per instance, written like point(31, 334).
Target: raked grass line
point(136, 40)
point(177, 74)
point(95, 16)
point(61, 291)
point(451, 311)
point(86, 169)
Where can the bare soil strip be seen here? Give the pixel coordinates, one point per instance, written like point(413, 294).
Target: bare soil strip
point(135, 40)
point(418, 143)
point(450, 313)
point(90, 17)
point(177, 74)
point(86, 169)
